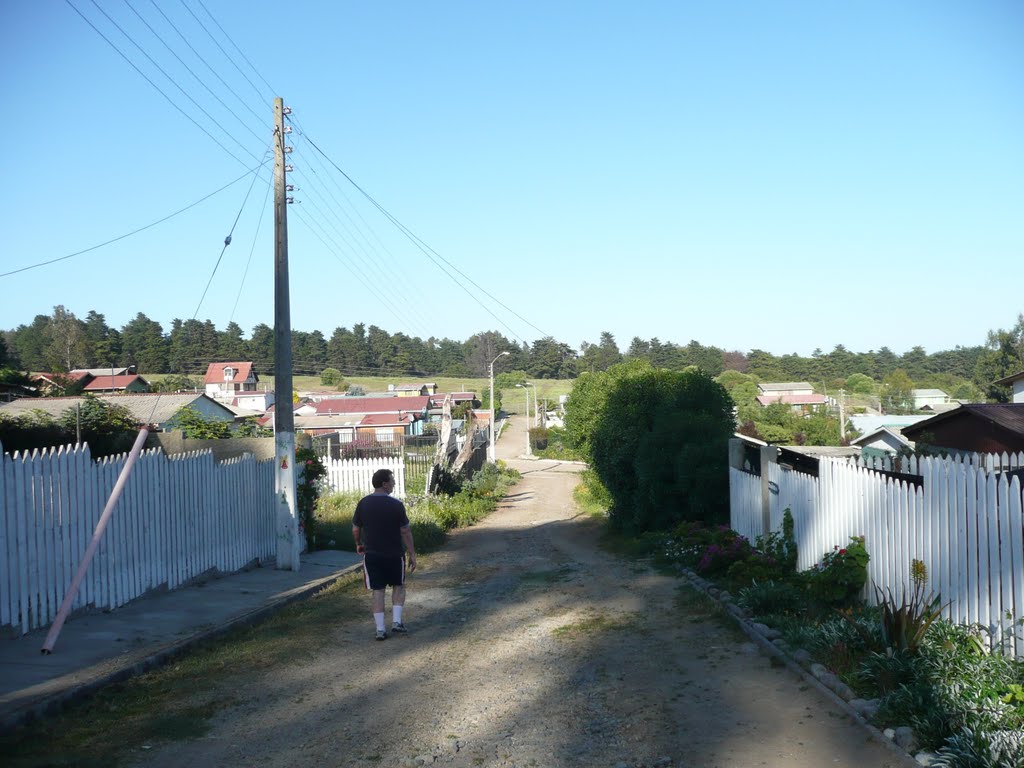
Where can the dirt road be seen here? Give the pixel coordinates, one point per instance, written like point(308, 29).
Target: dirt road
point(530, 646)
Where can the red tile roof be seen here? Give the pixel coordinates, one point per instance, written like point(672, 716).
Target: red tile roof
point(384, 420)
point(392, 405)
point(111, 382)
point(215, 372)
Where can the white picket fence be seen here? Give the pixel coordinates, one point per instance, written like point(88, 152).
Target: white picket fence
point(355, 475)
point(177, 518)
point(965, 522)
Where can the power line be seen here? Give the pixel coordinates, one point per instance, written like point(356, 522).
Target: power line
point(208, 65)
point(201, 5)
point(227, 240)
point(173, 81)
point(194, 75)
point(221, 48)
point(135, 231)
point(427, 250)
point(157, 87)
point(252, 249)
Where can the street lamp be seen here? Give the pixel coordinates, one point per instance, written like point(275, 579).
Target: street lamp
point(490, 428)
point(524, 385)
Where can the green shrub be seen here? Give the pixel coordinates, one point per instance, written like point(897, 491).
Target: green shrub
point(309, 473)
point(590, 496)
point(841, 574)
point(768, 598)
point(332, 521)
point(728, 548)
point(659, 443)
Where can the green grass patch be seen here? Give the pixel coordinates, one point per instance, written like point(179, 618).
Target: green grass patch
point(598, 623)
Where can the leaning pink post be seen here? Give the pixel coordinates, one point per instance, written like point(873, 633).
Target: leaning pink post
point(69, 596)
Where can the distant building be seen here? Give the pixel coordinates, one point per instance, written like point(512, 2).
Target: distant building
point(785, 388)
point(1017, 382)
point(928, 397)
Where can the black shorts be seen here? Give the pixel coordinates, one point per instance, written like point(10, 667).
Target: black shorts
point(381, 571)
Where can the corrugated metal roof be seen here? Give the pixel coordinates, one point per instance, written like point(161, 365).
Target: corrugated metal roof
point(777, 386)
point(147, 408)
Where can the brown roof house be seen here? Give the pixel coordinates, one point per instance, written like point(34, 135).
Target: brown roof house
point(131, 383)
point(972, 428)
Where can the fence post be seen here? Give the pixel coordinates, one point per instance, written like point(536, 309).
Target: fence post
point(769, 455)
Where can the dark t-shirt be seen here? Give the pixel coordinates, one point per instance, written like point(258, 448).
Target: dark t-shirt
point(381, 518)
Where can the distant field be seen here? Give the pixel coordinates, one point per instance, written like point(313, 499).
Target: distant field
point(512, 400)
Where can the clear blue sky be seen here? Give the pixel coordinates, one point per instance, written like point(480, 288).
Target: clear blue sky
point(783, 176)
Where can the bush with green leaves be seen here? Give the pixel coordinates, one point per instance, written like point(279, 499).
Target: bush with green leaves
point(658, 440)
point(331, 377)
point(841, 574)
point(309, 474)
point(771, 598)
point(195, 426)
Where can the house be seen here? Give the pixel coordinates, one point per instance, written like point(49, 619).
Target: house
point(108, 371)
point(385, 428)
point(785, 388)
point(225, 381)
point(396, 406)
point(1017, 382)
point(865, 423)
point(157, 409)
point(57, 384)
point(415, 390)
point(798, 403)
point(129, 382)
point(928, 397)
point(940, 407)
point(883, 441)
point(973, 428)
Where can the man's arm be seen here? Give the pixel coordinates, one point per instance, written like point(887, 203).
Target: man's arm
point(406, 532)
point(357, 533)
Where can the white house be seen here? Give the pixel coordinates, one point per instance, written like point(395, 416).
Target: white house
point(1017, 382)
point(785, 389)
point(226, 381)
point(923, 397)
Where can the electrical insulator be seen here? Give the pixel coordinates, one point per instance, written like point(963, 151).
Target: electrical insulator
point(287, 129)
point(289, 187)
point(290, 199)
point(286, 111)
point(287, 150)
point(289, 169)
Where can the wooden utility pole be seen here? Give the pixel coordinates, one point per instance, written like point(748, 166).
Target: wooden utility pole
point(288, 544)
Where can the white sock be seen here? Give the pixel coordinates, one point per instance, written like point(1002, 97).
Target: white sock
point(396, 614)
point(378, 619)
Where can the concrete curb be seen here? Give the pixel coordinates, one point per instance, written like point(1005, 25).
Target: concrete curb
point(906, 759)
point(49, 704)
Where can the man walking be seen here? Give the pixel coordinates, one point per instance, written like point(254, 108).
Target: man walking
point(380, 528)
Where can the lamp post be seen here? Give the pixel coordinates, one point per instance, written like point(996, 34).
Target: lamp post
point(524, 385)
point(490, 368)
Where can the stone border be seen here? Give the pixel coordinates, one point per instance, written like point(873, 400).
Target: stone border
point(753, 631)
point(51, 703)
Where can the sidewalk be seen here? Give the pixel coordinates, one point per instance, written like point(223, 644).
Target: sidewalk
point(97, 649)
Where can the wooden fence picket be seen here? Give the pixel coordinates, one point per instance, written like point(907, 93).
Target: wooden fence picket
point(178, 518)
point(961, 516)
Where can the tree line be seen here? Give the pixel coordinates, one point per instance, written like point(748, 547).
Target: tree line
point(61, 341)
